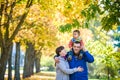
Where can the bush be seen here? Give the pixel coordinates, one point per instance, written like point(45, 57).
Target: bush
point(47, 61)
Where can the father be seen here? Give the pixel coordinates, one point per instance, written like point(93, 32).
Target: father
point(75, 61)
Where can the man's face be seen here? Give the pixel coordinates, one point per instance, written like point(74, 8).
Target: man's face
point(76, 48)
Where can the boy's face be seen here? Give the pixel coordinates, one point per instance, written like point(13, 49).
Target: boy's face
point(63, 52)
point(75, 35)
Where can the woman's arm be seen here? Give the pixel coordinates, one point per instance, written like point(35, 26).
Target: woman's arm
point(63, 68)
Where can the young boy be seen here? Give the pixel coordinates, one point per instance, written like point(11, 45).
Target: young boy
point(76, 37)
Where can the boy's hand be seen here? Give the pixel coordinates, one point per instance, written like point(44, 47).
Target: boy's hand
point(57, 60)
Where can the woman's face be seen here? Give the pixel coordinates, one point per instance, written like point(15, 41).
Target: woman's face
point(63, 52)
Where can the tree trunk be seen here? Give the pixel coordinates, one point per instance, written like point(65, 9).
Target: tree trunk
point(37, 65)
point(10, 64)
point(5, 38)
point(37, 61)
point(0, 51)
point(108, 74)
point(3, 61)
point(32, 64)
point(17, 62)
point(29, 61)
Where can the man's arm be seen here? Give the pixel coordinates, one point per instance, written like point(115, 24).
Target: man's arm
point(81, 44)
point(55, 56)
point(88, 57)
point(56, 59)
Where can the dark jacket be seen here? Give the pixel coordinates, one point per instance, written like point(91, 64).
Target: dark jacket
point(76, 62)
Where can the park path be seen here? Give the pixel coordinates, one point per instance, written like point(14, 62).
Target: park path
point(39, 76)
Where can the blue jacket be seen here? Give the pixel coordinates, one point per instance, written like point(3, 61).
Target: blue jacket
point(75, 62)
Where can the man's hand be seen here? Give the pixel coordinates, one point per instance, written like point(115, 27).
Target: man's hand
point(57, 60)
point(84, 49)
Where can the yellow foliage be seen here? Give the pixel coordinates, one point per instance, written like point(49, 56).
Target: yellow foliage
point(114, 27)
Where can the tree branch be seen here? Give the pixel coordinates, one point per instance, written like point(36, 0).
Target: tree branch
point(8, 20)
point(41, 48)
point(29, 3)
point(6, 6)
point(1, 14)
point(5, 20)
point(18, 27)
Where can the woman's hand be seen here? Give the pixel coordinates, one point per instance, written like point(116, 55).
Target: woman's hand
point(80, 69)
